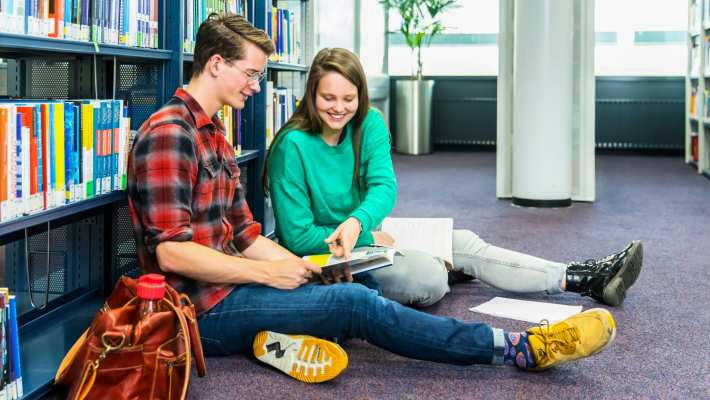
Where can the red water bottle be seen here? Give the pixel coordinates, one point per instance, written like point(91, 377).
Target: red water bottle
point(151, 289)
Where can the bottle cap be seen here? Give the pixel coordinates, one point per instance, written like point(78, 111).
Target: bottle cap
point(151, 287)
point(156, 279)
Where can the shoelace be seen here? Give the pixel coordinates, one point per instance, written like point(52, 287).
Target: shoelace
point(563, 339)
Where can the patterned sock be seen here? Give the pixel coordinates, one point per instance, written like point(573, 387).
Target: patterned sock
point(517, 350)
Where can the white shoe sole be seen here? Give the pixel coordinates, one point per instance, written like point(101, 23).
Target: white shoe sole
point(305, 358)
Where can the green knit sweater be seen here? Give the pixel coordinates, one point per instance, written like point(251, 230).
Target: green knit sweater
point(312, 189)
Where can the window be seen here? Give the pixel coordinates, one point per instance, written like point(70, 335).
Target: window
point(468, 45)
point(633, 37)
point(372, 36)
point(641, 37)
point(336, 25)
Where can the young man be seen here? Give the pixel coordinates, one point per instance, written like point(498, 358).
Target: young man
point(193, 224)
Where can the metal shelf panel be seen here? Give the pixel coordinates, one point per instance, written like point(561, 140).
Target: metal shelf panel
point(247, 155)
point(44, 344)
point(287, 67)
point(32, 44)
point(59, 212)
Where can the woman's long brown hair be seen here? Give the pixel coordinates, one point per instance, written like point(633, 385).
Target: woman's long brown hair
point(306, 118)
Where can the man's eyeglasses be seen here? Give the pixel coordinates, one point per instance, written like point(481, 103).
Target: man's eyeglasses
point(254, 76)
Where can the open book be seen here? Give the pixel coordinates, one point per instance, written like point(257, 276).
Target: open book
point(432, 235)
point(361, 259)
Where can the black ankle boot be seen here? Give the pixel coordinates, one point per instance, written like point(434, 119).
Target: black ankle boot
point(606, 280)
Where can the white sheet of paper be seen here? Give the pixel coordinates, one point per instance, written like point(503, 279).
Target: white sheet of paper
point(431, 235)
point(524, 310)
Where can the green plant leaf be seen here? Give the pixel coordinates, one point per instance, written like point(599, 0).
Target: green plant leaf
point(419, 21)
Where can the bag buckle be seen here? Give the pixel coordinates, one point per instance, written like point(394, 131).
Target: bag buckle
point(107, 339)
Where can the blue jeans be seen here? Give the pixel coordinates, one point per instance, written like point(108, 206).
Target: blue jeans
point(345, 310)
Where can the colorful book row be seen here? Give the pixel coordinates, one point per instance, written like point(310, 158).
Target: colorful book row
point(280, 105)
point(283, 26)
point(119, 22)
point(60, 152)
point(197, 11)
point(232, 127)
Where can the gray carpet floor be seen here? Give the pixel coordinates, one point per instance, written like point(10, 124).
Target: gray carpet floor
point(662, 350)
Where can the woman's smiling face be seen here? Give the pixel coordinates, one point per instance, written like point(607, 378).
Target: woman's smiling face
point(336, 102)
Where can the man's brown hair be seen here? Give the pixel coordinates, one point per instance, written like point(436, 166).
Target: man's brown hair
point(224, 34)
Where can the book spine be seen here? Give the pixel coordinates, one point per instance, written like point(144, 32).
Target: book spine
point(15, 348)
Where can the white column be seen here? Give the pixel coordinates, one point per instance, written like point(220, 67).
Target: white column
point(583, 117)
point(504, 115)
point(542, 102)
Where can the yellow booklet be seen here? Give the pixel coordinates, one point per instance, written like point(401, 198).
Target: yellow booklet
point(361, 259)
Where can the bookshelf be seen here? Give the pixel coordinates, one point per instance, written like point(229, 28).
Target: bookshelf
point(286, 70)
point(279, 66)
point(89, 244)
point(254, 143)
point(697, 125)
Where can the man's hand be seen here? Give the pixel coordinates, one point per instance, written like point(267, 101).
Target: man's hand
point(335, 274)
point(290, 273)
point(343, 239)
point(383, 238)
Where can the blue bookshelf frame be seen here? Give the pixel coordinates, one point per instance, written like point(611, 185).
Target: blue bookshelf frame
point(46, 341)
point(46, 335)
point(26, 44)
point(22, 223)
point(279, 66)
point(258, 113)
point(247, 155)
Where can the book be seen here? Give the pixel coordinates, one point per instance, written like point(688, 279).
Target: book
point(432, 235)
point(9, 384)
point(362, 259)
point(15, 366)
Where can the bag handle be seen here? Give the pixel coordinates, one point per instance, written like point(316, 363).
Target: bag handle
point(188, 348)
point(93, 367)
point(89, 376)
point(195, 341)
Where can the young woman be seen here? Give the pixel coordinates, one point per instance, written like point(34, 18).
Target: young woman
point(331, 181)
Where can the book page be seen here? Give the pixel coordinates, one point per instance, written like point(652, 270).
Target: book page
point(432, 235)
point(524, 310)
point(360, 253)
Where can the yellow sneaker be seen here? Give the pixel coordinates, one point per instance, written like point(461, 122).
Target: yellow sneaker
point(578, 336)
point(305, 358)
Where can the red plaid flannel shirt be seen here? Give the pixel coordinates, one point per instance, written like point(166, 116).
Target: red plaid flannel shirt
point(183, 184)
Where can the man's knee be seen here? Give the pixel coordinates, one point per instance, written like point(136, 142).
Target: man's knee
point(351, 294)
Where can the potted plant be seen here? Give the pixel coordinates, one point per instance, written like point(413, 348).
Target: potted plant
point(413, 96)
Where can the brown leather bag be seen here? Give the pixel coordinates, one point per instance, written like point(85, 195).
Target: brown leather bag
point(122, 356)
